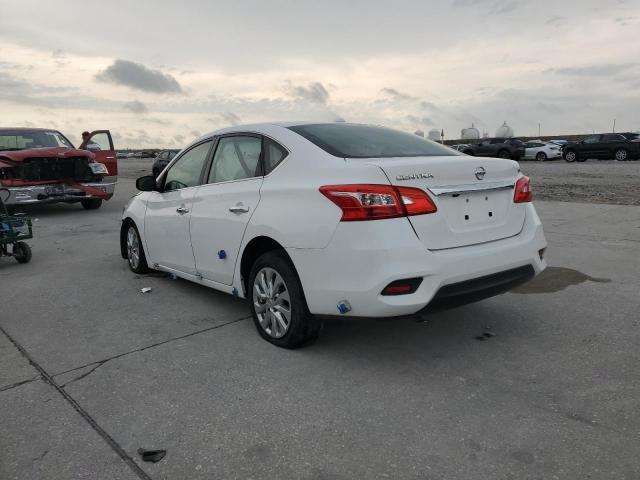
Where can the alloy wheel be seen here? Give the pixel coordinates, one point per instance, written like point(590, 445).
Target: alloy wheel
point(272, 302)
point(621, 155)
point(133, 247)
point(570, 157)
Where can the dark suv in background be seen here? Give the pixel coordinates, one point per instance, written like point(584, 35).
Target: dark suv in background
point(497, 147)
point(162, 160)
point(604, 146)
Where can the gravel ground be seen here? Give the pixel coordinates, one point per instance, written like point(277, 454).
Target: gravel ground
point(594, 181)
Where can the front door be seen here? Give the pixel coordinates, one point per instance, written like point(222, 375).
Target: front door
point(101, 145)
point(168, 213)
point(224, 206)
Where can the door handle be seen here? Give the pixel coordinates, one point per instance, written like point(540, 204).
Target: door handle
point(182, 210)
point(238, 209)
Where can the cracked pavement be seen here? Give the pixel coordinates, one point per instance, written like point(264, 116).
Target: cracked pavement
point(91, 369)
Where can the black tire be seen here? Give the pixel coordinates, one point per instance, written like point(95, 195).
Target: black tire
point(92, 203)
point(541, 157)
point(22, 252)
point(468, 152)
point(136, 264)
point(621, 155)
point(570, 156)
point(504, 154)
point(302, 327)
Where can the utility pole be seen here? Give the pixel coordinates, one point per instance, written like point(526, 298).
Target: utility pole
point(538, 130)
point(614, 125)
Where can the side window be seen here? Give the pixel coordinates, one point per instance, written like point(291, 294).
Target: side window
point(236, 158)
point(613, 138)
point(592, 139)
point(100, 141)
point(273, 155)
point(187, 170)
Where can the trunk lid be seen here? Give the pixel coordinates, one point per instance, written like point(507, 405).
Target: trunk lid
point(474, 197)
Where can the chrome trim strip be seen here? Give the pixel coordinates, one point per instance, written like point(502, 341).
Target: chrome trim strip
point(472, 187)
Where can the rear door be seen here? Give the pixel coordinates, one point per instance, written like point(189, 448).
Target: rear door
point(101, 145)
point(592, 147)
point(474, 198)
point(224, 205)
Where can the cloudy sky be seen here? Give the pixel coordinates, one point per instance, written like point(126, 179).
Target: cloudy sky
point(159, 73)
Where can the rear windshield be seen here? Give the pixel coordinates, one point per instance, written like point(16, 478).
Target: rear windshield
point(365, 141)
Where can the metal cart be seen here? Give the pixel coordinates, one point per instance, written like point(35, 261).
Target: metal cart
point(14, 229)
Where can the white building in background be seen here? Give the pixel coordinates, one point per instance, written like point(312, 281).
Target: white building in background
point(505, 131)
point(434, 134)
point(471, 133)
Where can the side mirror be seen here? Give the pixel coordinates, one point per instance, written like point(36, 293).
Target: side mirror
point(146, 183)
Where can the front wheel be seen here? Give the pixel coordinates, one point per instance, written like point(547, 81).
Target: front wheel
point(135, 253)
point(570, 156)
point(541, 157)
point(278, 306)
point(22, 252)
point(92, 203)
point(504, 154)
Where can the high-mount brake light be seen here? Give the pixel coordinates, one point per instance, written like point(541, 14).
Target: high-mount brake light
point(375, 202)
point(523, 191)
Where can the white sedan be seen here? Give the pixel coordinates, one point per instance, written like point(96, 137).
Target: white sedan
point(309, 220)
point(541, 151)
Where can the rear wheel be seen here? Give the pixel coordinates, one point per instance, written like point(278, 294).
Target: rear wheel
point(541, 157)
point(278, 306)
point(22, 252)
point(135, 253)
point(570, 156)
point(504, 154)
point(621, 155)
point(92, 203)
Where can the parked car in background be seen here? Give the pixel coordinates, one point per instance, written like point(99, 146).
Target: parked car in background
point(604, 146)
point(162, 160)
point(121, 155)
point(497, 147)
point(39, 165)
point(541, 151)
point(307, 220)
point(460, 146)
point(560, 143)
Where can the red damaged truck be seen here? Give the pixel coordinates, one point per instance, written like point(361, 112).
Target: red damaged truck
point(39, 165)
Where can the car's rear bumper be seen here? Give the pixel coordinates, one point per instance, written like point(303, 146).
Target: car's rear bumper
point(55, 192)
point(364, 257)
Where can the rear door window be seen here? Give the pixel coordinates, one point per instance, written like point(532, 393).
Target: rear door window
point(237, 157)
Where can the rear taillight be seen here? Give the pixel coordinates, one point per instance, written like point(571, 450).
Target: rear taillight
point(523, 191)
point(375, 202)
point(402, 287)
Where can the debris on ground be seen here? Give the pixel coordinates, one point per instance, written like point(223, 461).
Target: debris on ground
point(151, 455)
point(145, 290)
point(485, 335)
point(173, 276)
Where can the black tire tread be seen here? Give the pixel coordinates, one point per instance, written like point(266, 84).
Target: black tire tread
point(305, 327)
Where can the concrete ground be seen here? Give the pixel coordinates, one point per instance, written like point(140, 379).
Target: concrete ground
point(91, 369)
